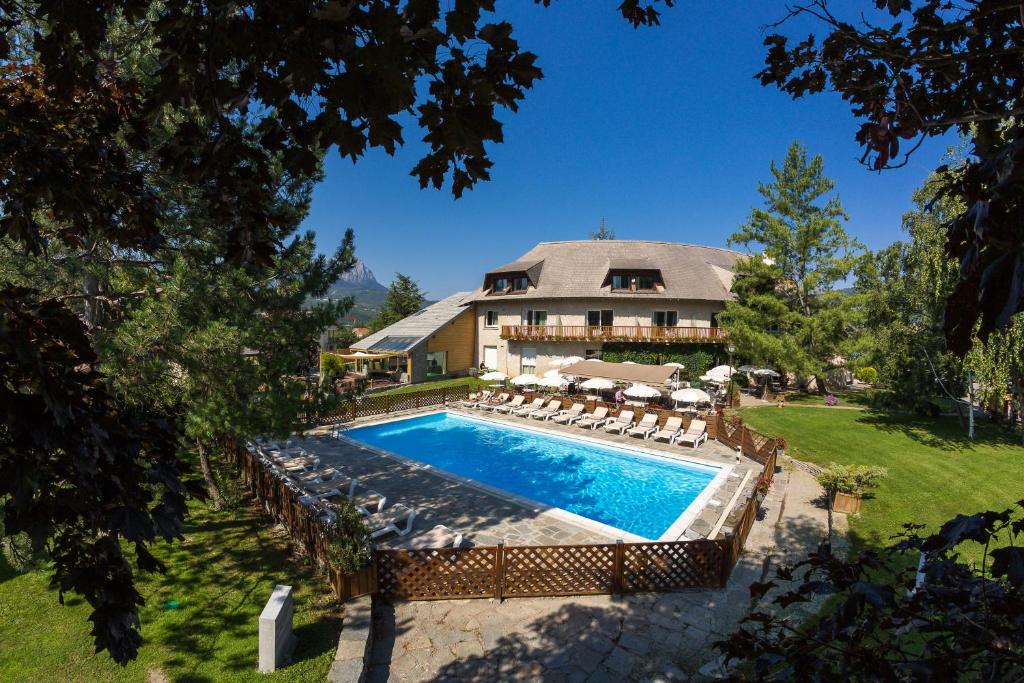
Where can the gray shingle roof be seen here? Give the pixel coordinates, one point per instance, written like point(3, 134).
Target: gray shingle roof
point(578, 269)
point(410, 331)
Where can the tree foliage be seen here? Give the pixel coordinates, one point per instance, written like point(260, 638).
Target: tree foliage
point(959, 623)
point(787, 312)
point(911, 70)
point(403, 298)
point(603, 232)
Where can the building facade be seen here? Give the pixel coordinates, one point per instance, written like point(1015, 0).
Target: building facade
point(565, 299)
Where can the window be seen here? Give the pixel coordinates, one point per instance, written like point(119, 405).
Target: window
point(520, 284)
point(437, 362)
point(665, 318)
point(528, 361)
point(501, 284)
point(491, 319)
point(599, 318)
point(620, 282)
point(644, 282)
point(633, 282)
point(535, 318)
point(507, 284)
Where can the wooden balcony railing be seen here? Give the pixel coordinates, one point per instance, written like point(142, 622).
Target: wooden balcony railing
point(613, 333)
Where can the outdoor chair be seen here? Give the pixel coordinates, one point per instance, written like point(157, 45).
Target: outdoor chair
point(318, 476)
point(553, 408)
point(648, 425)
point(594, 419)
point(537, 404)
point(569, 416)
point(473, 399)
point(301, 463)
point(695, 434)
point(326, 489)
point(391, 521)
point(620, 423)
point(492, 402)
point(516, 402)
point(673, 426)
point(438, 537)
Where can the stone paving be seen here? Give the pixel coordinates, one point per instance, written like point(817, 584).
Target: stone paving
point(649, 637)
point(485, 518)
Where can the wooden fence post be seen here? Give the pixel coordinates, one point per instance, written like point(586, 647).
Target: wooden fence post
point(499, 571)
point(617, 577)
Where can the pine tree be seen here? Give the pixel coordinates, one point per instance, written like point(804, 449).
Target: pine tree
point(403, 298)
point(603, 232)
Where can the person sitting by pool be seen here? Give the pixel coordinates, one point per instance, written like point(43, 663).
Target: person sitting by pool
point(620, 397)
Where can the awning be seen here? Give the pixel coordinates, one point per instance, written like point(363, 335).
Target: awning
point(363, 355)
point(623, 372)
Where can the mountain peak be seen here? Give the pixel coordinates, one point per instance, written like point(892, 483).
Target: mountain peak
point(359, 274)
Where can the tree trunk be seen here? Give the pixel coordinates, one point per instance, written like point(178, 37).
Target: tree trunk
point(211, 483)
point(819, 381)
point(970, 405)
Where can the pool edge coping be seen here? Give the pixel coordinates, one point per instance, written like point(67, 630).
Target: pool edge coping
point(672, 533)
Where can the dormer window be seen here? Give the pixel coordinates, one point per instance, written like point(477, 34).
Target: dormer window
point(513, 278)
point(635, 281)
point(510, 285)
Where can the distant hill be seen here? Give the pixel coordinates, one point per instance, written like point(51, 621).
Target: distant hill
point(360, 284)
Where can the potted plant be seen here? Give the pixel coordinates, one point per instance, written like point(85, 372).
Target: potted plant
point(846, 485)
point(764, 482)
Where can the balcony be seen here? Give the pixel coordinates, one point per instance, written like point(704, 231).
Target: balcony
point(616, 333)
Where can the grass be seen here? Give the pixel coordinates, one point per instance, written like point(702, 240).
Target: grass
point(468, 383)
point(859, 399)
point(935, 472)
point(221, 576)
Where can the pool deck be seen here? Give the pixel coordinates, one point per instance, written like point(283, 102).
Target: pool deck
point(486, 517)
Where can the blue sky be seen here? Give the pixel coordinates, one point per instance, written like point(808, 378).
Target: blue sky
point(662, 132)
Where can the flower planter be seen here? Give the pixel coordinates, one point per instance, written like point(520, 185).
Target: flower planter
point(845, 502)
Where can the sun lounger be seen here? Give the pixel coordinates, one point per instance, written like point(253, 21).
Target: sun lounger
point(569, 416)
point(594, 419)
point(316, 476)
point(300, 463)
point(695, 434)
point(438, 537)
point(326, 489)
point(516, 402)
point(648, 425)
point(552, 409)
point(493, 402)
point(620, 423)
point(537, 404)
point(670, 430)
point(474, 399)
point(391, 521)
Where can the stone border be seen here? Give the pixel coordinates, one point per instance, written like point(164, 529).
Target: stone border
point(354, 643)
point(673, 532)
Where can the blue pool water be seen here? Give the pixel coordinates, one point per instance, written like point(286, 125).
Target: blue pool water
point(639, 494)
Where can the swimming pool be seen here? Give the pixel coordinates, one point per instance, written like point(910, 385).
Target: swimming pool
point(641, 494)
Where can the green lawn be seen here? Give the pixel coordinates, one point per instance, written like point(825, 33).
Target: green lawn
point(221, 576)
point(935, 472)
point(860, 399)
point(467, 383)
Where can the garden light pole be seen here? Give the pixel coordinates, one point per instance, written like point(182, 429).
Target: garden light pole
point(731, 348)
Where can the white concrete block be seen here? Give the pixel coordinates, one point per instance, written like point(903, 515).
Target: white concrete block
point(275, 629)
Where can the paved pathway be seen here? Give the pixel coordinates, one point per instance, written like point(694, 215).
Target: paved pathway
point(595, 638)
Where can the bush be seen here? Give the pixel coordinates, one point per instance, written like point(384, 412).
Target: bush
point(349, 548)
point(331, 365)
point(853, 480)
point(741, 380)
point(867, 375)
point(831, 400)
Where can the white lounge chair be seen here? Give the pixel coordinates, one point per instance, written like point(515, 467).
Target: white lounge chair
point(695, 434)
point(438, 537)
point(670, 430)
point(647, 425)
point(391, 521)
point(537, 404)
point(619, 423)
point(302, 463)
point(594, 419)
point(317, 476)
point(492, 402)
point(516, 402)
point(326, 489)
point(473, 399)
point(570, 415)
point(552, 409)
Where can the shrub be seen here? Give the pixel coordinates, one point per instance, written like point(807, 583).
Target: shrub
point(741, 380)
point(867, 375)
point(332, 365)
point(853, 480)
point(349, 548)
point(831, 400)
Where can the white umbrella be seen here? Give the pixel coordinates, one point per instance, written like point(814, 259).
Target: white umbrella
point(553, 382)
point(766, 372)
point(494, 375)
point(528, 378)
point(717, 379)
point(598, 383)
point(747, 368)
point(674, 365)
point(628, 362)
point(641, 391)
point(722, 371)
point(569, 361)
point(691, 396)
point(591, 360)
point(553, 372)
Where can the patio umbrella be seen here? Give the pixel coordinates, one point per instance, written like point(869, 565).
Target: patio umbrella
point(766, 372)
point(593, 359)
point(641, 391)
point(747, 368)
point(569, 361)
point(691, 396)
point(674, 365)
point(494, 375)
point(598, 383)
point(521, 380)
point(553, 382)
point(553, 372)
point(628, 362)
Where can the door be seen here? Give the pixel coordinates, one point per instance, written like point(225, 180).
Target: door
point(491, 357)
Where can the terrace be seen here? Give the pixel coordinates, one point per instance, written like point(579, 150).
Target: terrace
point(638, 333)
